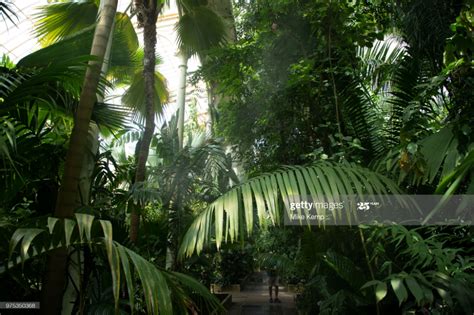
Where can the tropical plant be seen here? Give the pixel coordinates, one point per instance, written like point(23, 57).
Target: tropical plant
point(159, 288)
point(187, 178)
point(199, 28)
point(427, 269)
point(147, 14)
point(232, 215)
point(65, 206)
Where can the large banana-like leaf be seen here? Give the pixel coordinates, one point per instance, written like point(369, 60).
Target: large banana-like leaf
point(126, 266)
point(233, 213)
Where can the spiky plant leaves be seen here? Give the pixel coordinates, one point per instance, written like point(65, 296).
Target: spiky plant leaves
point(229, 215)
point(8, 135)
point(379, 63)
point(44, 84)
point(53, 86)
point(159, 286)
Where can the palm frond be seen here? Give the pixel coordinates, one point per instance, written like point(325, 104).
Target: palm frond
point(59, 20)
point(123, 56)
point(8, 135)
point(379, 62)
point(233, 213)
point(111, 116)
point(7, 12)
point(134, 97)
point(363, 118)
point(57, 83)
point(200, 29)
point(126, 266)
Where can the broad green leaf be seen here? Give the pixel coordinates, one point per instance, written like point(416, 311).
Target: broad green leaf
point(434, 149)
point(399, 289)
point(414, 288)
point(380, 291)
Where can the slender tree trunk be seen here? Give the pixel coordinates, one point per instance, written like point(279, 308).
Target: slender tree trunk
point(149, 14)
point(83, 199)
point(55, 278)
point(181, 95)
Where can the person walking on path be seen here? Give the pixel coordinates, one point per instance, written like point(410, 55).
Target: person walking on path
point(273, 280)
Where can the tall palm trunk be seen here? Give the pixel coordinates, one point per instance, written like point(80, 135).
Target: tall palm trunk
point(71, 297)
point(181, 95)
point(55, 278)
point(148, 13)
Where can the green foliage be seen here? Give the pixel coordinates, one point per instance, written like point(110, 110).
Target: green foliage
point(427, 269)
point(232, 214)
point(60, 20)
point(199, 29)
point(157, 285)
point(336, 86)
point(134, 98)
point(232, 265)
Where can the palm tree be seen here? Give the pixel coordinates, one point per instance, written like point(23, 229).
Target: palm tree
point(147, 13)
point(201, 170)
point(199, 28)
point(61, 20)
point(65, 206)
